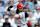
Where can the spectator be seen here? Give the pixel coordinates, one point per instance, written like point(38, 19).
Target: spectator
point(15, 1)
point(12, 21)
point(34, 1)
point(6, 24)
point(9, 4)
point(39, 22)
point(1, 21)
point(1, 9)
point(31, 19)
point(37, 13)
point(6, 15)
point(6, 1)
point(38, 3)
point(24, 2)
point(36, 25)
point(26, 5)
point(35, 4)
point(2, 2)
point(31, 5)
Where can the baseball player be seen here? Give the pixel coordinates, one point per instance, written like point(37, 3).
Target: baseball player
point(20, 16)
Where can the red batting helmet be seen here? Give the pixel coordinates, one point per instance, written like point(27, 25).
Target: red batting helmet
point(19, 6)
point(29, 22)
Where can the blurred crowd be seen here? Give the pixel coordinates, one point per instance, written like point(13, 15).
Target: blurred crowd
point(31, 9)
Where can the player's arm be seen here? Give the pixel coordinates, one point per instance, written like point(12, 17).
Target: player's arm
point(18, 16)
